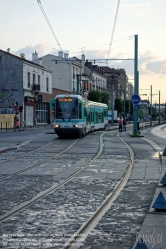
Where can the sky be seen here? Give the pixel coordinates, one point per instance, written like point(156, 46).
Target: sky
point(87, 27)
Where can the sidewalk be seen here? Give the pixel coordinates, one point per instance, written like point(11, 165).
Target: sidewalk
point(29, 128)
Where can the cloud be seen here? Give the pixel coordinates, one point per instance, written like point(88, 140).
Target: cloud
point(28, 50)
point(149, 63)
point(157, 66)
point(139, 5)
point(92, 54)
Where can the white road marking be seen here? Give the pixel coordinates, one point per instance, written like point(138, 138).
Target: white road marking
point(154, 145)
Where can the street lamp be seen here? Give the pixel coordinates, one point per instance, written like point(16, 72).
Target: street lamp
point(124, 92)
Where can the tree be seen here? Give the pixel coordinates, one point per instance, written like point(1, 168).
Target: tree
point(118, 105)
point(105, 98)
point(140, 114)
point(94, 96)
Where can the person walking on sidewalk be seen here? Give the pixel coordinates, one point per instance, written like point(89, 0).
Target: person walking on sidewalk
point(120, 121)
point(17, 125)
point(124, 124)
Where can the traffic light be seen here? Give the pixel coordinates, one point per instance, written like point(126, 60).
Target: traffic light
point(20, 108)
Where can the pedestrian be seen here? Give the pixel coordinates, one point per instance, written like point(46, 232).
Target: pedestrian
point(17, 125)
point(120, 121)
point(124, 124)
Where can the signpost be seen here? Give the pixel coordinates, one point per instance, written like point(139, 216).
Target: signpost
point(135, 99)
point(136, 107)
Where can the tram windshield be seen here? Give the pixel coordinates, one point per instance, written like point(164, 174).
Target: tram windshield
point(66, 108)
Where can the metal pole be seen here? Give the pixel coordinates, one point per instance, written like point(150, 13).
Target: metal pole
point(159, 107)
point(151, 105)
point(112, 104)
point(78, 82)
point(1, 126)
point(135, 81)
point(124, 103)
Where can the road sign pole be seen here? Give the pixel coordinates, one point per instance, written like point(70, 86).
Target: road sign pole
point(135, 81)
point(151, 105)
point(112, 106)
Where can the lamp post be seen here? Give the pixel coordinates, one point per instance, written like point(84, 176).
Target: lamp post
point(159, 107)
point(124, 107)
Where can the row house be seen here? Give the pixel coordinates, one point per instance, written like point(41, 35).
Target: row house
point(28, 84)
point(64, 72)
point(98, 79)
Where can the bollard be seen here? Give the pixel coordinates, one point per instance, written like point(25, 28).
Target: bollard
point(160, 203)
point(164, 152)
point(6, 126)
point(141, 245)
point(1, 126)
point(163, 180)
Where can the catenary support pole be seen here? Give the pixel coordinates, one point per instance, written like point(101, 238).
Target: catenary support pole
point(135, 81)
point(151, 105)
point(78, 84)
point(112, 106)
point(159, 108)
point(124, 103)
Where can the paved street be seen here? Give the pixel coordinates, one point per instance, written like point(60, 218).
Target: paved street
point(62, 212)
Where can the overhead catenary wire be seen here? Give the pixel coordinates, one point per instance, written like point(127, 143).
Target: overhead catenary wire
point(48, 22)
point(112, 36)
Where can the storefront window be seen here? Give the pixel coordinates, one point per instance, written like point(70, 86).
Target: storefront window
point(42, 113)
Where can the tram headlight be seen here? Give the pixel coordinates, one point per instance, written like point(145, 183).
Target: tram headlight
point(57, 126)
point(75, 126)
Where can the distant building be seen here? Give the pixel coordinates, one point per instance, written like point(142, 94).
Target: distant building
point(64, 72)
point(130, 90)
point(28, 84)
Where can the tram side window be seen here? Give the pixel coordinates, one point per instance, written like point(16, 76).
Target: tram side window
point(105, 113)
point(84, 112)
point(96, 117)
point(88, 116)
point(80, 111)
point(99, 117)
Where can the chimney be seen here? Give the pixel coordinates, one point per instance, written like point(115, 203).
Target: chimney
point(66, 55)
point(60, 54)
point(22, 55)
point(8, 50)
point(83, 62)
point(40, 61)
point(35, 56)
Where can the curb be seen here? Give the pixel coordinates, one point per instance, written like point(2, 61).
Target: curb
point(8, 149)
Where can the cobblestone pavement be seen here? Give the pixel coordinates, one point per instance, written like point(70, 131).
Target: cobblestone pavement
point(56, 217)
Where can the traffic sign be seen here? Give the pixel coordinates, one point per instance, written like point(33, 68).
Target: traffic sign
point(16, 107)
point(136, 107)
point(135, 99)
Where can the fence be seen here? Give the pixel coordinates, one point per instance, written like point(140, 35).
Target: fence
point(7, 121)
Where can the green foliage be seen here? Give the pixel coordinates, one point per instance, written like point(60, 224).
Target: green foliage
point(94, 96)
point(105, 98)
point(118, 105)
point(97, 96)
point(140, 114)
point(128, 106)
point(154, 111)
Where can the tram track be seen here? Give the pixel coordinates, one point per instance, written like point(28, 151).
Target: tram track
point(55, 186)
point(27, 153)
point(39, 163)
point(77, 239)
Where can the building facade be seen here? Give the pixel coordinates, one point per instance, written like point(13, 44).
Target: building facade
point(29, 85)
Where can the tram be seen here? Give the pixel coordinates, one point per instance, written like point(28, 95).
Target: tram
point(75, 115)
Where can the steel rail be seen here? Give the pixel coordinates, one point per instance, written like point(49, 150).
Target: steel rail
point(40, 162)
point(26, 153)
point(77, 239)
point(54, 187)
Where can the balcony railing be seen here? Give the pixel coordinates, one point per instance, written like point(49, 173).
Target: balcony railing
point(36, 88)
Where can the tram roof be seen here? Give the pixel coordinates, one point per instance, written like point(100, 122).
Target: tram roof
point(80, 97)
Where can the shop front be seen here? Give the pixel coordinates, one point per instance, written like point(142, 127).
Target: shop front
point(29, 111)
point(42, 113)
